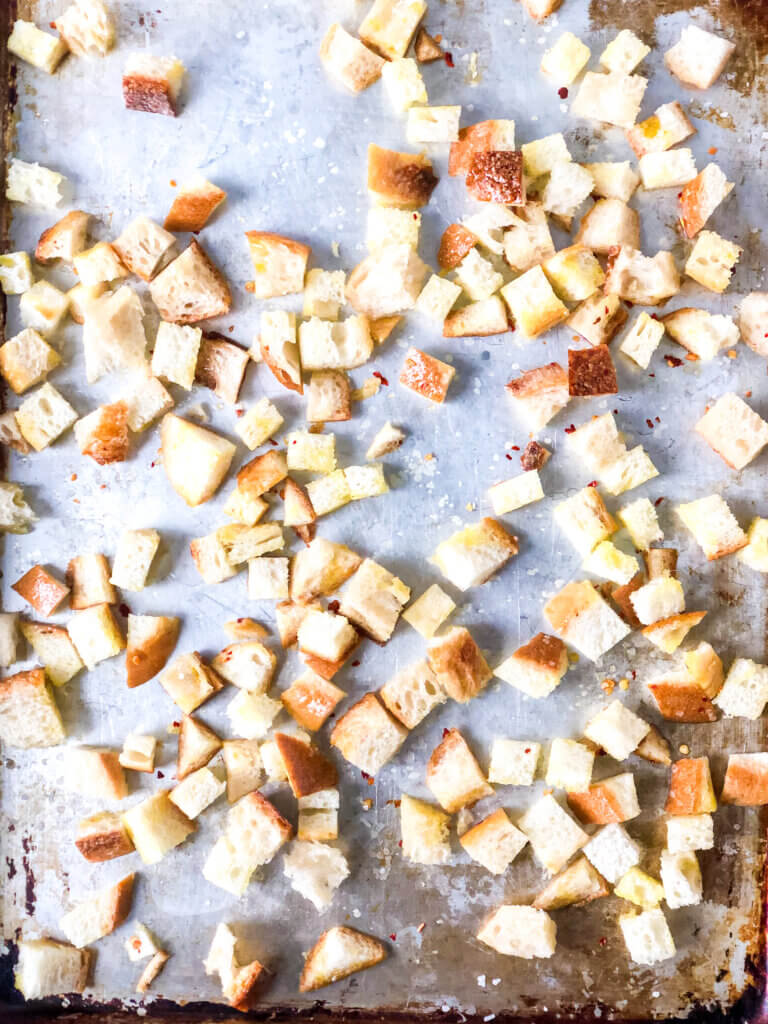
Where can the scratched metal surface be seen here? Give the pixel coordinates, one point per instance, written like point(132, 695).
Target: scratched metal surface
point(260, 118)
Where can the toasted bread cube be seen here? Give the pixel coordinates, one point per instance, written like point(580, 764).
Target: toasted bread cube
point(386, 282)
point(81, 296)
point(321, 569)
point(667, 126)
point(95, 772)
point(690, 787)
point(610, 222)
point(15, 273)
point(318, 824)
point(367, 735)
point(194, 204)
point(541, 155)
point(244, 766)
point(241, 543)
point(29, 716)
point(658, 599)
point(412, 693)
point(326, 635)
point(567, 187)
point(54, 648)
point(9, 638)
point(175, 354)
point(310, 699)
point(43, 307)
point(574, 273)
point(113, 335)
point(33, 184)
point(569, 765)
point(87, 28)
point(497, 177)
point(647, 936)
point(99, 264)
point(641, 522)
point(640, 888)
point(472, 555)
point(642, 280)
point(578, 884)
point(513, 762)
point(494, 842)
point(36, 47)
point(631, 470)
point(329, 397)
point(350, 61)
point(26, 360)
point(687, 833)
point(540, 393)
point(143, 246)
point(527, 241)
point(197, 745)
point(315, 871)
point(681, 877)
point(41, 589)
point(259, 424)
point(103, 836)
point(591, 372)
point(156, 826)
point(624, 52)
point(195, 460)
point(613, 98)
point(745, 690)
point(278, 348)
point(196, 792)
point(642, 340)
point(104, 435)
point(297, 508)
point(712, 260)
point(279, 264)
point(96, 634)
point(138, 753)
point(438, 296)
point(88, 576)
point(189, 682)
point(745, 784)
point(700, 197)
point(584, 620)
point(669, 169)
point(524, 932)
point(755, 554)
point(702, 333)
point(426, 48)
point(713, 526)
point(152, 84)
point(733, 430)
point(190, 288)
point(611, 800)
point(135, 551)
point(390, 25)
point(477, 319)
point(389, 226)
point(667, 634)
point(458, 664)
point(245, 508)
point(533, 304)
point(432, 124)
point(342, 951)
point(221, 366)
point(427, 376)
point(617, 730)
point(613, 852)
point(565, 61)
point(251, 714)
point(698, 57)
point(497, 136)
point(328, 345)
point(63, 240)
point(541, 9)
point(403, 180)
point(705, 668)
point(425, 831)
point(428, 612)
point(753, 320)
point(453, 775)
point(552, 832)
point(267, 579)
point(478, 277)
point(537, 667)
point(373, 600)
point(249, 666)
point(584, 519)
point(614, 180)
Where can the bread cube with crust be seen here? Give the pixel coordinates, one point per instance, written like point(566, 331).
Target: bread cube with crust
point(63, 240)
point(348, 60)
point(249, 666)
point(8, 638)
point(540, 394)
point(26, 360)
point(412, 693)
point(496, 177)
point(259, 423)
point(315, 871)
point(577, 885)
point(584, 519)
point(541, 155)
point(640, 888)
point(426, 375)
point(428, 612)
point(156, 826)
point(755, 554)
point(702, 333)
point(583, 619)
point(641, 522)
point(613, 852)
point(138, 753)
point(541, 9)
point(33, 184)
point(425, 832)
point(613, 98)
point(524, 932)
point(732, 429)
point(190, 288)
point(527, 240)
point(698, 57)
point(610, 222)
point(386, 226)
point(328, 345)
point(133, 559)
point(390, 25)
point(43, 307)
point(11, 436)
point(667, 634)
point(320, 569)
point(99, 915)
point(515, 493)
point(307, 770)
point(146, 402)
point(690, 787)
point(705, 668)
point(745, 784)
point(278, 348)
point(98, 264)
point(458, 664)
point(617, 730)
point(279, 264)
point(96, 634)
point(701, 196)
point(103, 836)
point(569, 765)
point(617, 180)
point(753, 320)
point(642, 340)
point(152, 84)
point(437, 297)
point(513, 762)
point(568, 185)
point(647, 936)
point(552, 832)
point(373, 600)
point(195, 460)
point(624, 52)
point(533, 304)
point(15, 273)
point(745, 690)
point(432, 124)
point(386, 282)
point(104, 434)
point(367, 735)
point(681, 878)
point(193, 205)
point(496, 136)
point(319, 816)
point(113, 334)
point(687, 833)
point(658, 599)
point(54, 648)
point(494, 842)
point(453, 775)
point(591, 372)
point(189, 682)
point(667, 169)
point(537, 667)
point(642, 280)
point(565, 61)
point(403, 180)
point(611, 800)
point(221, 366)
point(713, 525)
point(29, 715)
point(244, 766)
point(667, 126)
point(574, 273)
point(341, 951)
point(472, 555)
point(95, 772)
point(197, 745)
point(88, 578)
point(310, 699)
point(631, 470)
point(315, 453)
point(234, 544)
point(41, 589)
point(40, 49)
point(327, 636)
point(81, 296)
point(712, 260)
point(143, 246)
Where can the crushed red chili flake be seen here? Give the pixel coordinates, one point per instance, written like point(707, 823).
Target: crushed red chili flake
point(52, 24)
point(570, 430)
point(603, 941)
point(508, 456)
point(355, 663)
point(393, 936)
point(658, 502)
point(365, 775)
point(673, 361)
point(527, 750)
point(333, 606)
point(423, 924)
point(712, 150)
point(592, 483)
point(654, 316)
point(657, 420)
point(160, 775)
point(176, 725)
point(633, 673)
point(73, 477)
point(370, 780)
point(515, 447)
point(125, 611)
point(448, 58)
point(173, 183)
point(239, 412)
point(381, 377)
point(250, 286)
point(651, 374)
point(650, 423)
point(445, 732)
point(273, 441)
point(562, 92)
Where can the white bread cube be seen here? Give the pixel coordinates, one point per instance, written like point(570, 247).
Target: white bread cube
point(667, 126)
point(365, 481)
point(64, 239)
point(472, 555)
point(98, 264)
point(324, 293)
point(367, 735)
point(189, 682)
point(611, 563)
point(647, 936)
point(244, 766)
point(427, 613)
point(320, 569)
point(15, 273)
point(640, 520)
point(36, 47)
point(335, 345)
point(113, 334)
point(702, 333)
point(513, 762)
point(698, 57)
point(642, 280)
point(608, 223)
point(326, 635)
point(487, 225)
point(533, 303)
point(568, 186)
point(256, 827)
point(437, 297)
point(689, 832)
point(732, 429)
point(617, 730)
point(524, 932)
point(156, 826)
point(152, 84)
point(349, 60)
point(373, 600)
point(175, 354)
point(227, 868)
point(195, 460)
point(143, 247)
point(478, 277)
point(141, 945)
point(569, 765)
point(386, 282)
point(259, 423)
point(246, 509)
point(277, 346)
point(88, 577)
point(745, 691)
point(541, 155)
point(624, 52)
point(249, 666)
point(713, 525)
point(315, 453)
point(29, 716)
point(552, 832)
point(631, 470)
point(669, 169)
point(565, 61)
point(99, 915)
point(753, 320)
point(574, 273)
point(8, 638)
point(583, 619)
point(642, 340)
point(133, 558)
point(614, 180)
point(26, 360)
point(640, 888)
point(329, 492)
point(425, 832)
point(389, 226)
point(412, 693)
point(613, 852)
point(318, 824)
point(241, 542)
point(494, 842)
point(700, 198)
point(613, 98)
point(704, 667)
point(342, 951)
point(43, 307)
point(403, 83)
point(537, 667)
point(15, 515)
point(712, 260)
point(190, 288)
point(755, 554)
point(658, 599)
point(315, 871)
point(95, 772)
point(251, 714)
point(49, 968)
point(33, 184)
point(584, 519)
point(389, 26)
point(87, 28)
point(539, 394)
point(453, 774)
point(681, 878)
point(515, 493)
point(81, 296)
point(96, 634)
point(577, 885)
point(138, 751)
point(528, 241)
point(268, 579)
point(54, 648)
point(196, 792)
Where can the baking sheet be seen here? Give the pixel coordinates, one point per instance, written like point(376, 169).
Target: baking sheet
point(261, 119)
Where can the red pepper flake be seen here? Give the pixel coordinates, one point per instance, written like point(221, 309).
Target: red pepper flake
point(445, 732)
point(52, 24)
point(365, 775)
point(508, 456)
point(570, 430)
point(160, 775)
point(73, 477)
point(650, 424)
point(658, 502)
point(448, 58)
point(633, 673)
point(355, 663)
point(239, 412)
point(393, 936)
point(712, 150)
point(673, 361)
point(152, 464)
point(333, 606)
point(515, 447)
point(592, 483)
point(651, 374)
point(748, 394)
point(102, 487)
point(562, 92)
point(415, 216)
point(656, 418)
point(527, 750)
point(603, 941)
point(370, 780)
point(173, 183)
point(250, 286)
point(273, 441)
point(679, 195)
point(177, 725)
point(125, 611)
point(382, 378)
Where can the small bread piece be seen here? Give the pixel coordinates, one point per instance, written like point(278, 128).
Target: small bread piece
point(156, 826)
point(249, 666)
point(176, 352)
point(733, 430)
point(49, 968)
point(541, 9)
point(41, 49)
point(143, 246)
point(54, 648)
point(610, 222)
point(403, 180)
point(584, 620)
point(494, 842)
point(642, 280)
point(496, 176)
point(579, 884)
point(15, 514)
point(99, 264)
point(640, 888)
point(642, 340)
point(524, 932)
point(552, 832)
point(98, 916)
point(319, 816)
point(670, 169)
point(195, 460)
point(373, 600)
point(427, 613)
point(681, 877)
point(540, 394)
point(104, 434)
point(513, 762)
point(328, 397)
point(647, 936)
point(152, 84)
point(133, 558)
point(745, 784)
point(755, 554)
point(386, 282)
point(88, 577)
point(189, 682)
point(568, 185)
point(339, 952)
point(191, 288)
point(338, 345)
point(96, 634)
point(310, 699)
point(598, 444)
point(702, 333)
point(80, 298)
point(745, 690)
point(102, 837)
point(471, 556)
point(614, 180)
point(455, 242)
point(533, 304)
point(279, 264)
point(654, 748)
point(29, 716)
point(478, 277)
point(537, 667)
point(244, 766)
point(367, 735)
point(95, 772)
point(585, 520)
point(267, 579)
point(297, 507)
point(63, 240)
point(319, 570)
point(197, 745)
point(705, 668)
point(453, 774)
point(426, 124)
point(41, 589)
point(306, 769)
point(527, 240)
point(712, 260)
point(613, 98)
point(667, 126)
point(569, 765)
point(621, 598)
point(16, 273)
point(690, 787)
point(613, 852)
point(45, 416)
point(496, 136)
point(753, 321)
point(574, 273)
point(315, 871)
point(193, 205)
point(33, 184)
point(324, 292)
point(609, 801)
point(387, 225)
point(8, 638)
point(221, 366)
point(437, 297)
point(412, 693)
point(458, 664)
point(425, 832)
point(427, 376)
point(701, 196)
point(658, 599)
point(139, 752)
point(477, 319)
point(11, 436)
point(624, 52)
point(698, 57)
point(390, 25)
point(565, 61)
point(151, 971)
point(113, 336)
point(617, 730)
point(347, 59)
point(611, 563)
point(667, 634)
point(278, 348)
point(426, 48)
point(311, 452)
point(713, 526)
point(591, 372)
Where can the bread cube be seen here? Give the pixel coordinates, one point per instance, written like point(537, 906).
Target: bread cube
point(26, 360)
point(610, 801)
point(175, 354)
point(95, 772)
point(513, 762)
point(326, 635)
point(642, 339)
point(156, 826)
point(279, 264)
point(99, 915)
point(15, 273)
point(565, 61)
point(713, 525)
point(591, 372)
point(297, 508)
point(63, 240)
point(524, 932)
point(496, 177)
point(143, 246)
point(113, 335)
point(329, 493)
point(658, 599)
point(373, 600)
point(133, 558)
point(196, 792)
point(667, 634)
point(427, 613)
point(88, 576)
point(99, 264)
point(251, 714)
point(642, 280)
point(541, 155)
point(412, 693)
point(81, 296)
point(614, 180)
point(227, 868)
point(96, 634)
point(41, 589)
point(494, 842)
point(267, 579)
point(342, 951)
point(698, 57)
point(315, 453)
point(541, 9)
point(33, 184)
point(540, 393)
point(386, 282)
point(15, 515)
point(669, 169)
point(533, 304)
point(753, 320)
point(515, 493)
point(87, 28)
point(320, 569)
point(141, 945)
point(389, 26)
point(610, 222)
point(617, 730)
point(553, 834)
point(8, 638)
point(427, 376)
point(348, 60)
point(681, 877)
point(221, 366)
point(687, 833)
point(197, 745)
point(712, 260)
point(315, 871)
point(527, 241)
point(388, 226)
point(472, 555)
point(755, 554)
point(624, 52)
point(640, 888)
point(324, 293)
point(701, 196)
point(327, 345)
point(190, 288)
point(613, 98)
point(647, 936)
point(437, 297)
point(103, 836)
point(278, 348)
point(732, 429)
point(36, 47)
point(310, 699)
point(613, 852)
point(745, 690)
point(138, 753)
point(631, 470)
point(640, 520)
point(432, 124)
point(189, 682)
point(584, 519)
point(453, 775)
point(425, 832)
point(458, 664)
point(705, 668)
point(667, 126)
point(249, 666)
point(104, 435)
point(745, 784)
point(43, 307)
point(496, 136)
point(584, 620)
point(319, 816)
point(403, 180)
point(567, 187)
point(11, 436)
point(365, 481)
point(690, 787)
point(537, 667)
point(367, 735)
point(193, 205)
point(29, 716)
point(152, 84)
point(244, 766)
point(196, 460)
point(569, 765)
point(259, 424)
